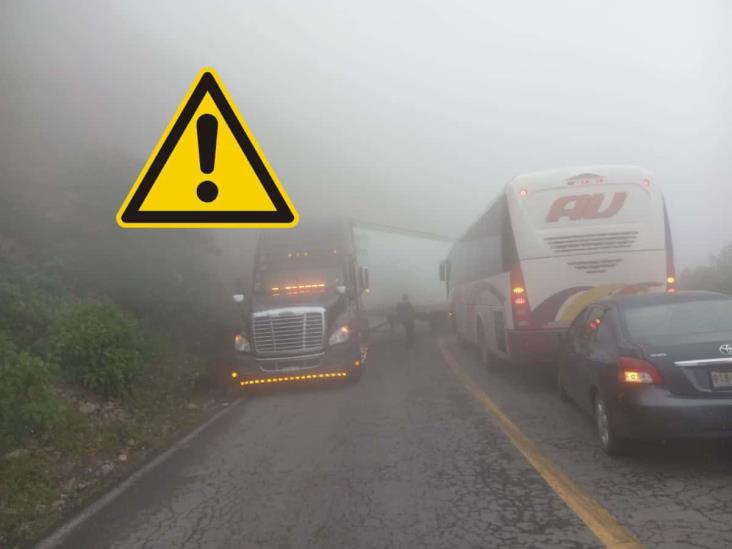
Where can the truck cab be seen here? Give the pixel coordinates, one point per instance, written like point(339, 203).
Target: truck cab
point(302, 318)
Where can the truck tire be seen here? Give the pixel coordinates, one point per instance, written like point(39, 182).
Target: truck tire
point(355, 375)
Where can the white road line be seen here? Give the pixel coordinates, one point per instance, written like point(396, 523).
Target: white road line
point(58, 535)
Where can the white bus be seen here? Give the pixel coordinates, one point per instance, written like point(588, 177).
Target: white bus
point(549, 244)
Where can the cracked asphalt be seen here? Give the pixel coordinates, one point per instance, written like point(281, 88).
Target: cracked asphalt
point(408, 458)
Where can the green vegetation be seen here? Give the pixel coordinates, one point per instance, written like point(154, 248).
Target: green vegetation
point(86, 387)
point(28, 407)
point(99, 347)
point(103, 353)
point(717, 276)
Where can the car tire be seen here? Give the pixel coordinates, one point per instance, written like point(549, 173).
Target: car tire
point(233, 392)
point(612, 444)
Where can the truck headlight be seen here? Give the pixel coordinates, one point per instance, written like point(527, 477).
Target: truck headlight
point(241, 343)
point(340, 335)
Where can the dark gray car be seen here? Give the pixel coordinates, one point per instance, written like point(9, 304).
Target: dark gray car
point(651, 366)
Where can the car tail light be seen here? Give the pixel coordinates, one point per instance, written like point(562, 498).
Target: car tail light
point(519, 299)
point(670, 273)
point(635, 371)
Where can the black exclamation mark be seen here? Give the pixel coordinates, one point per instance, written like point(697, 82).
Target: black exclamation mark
point(207, 127)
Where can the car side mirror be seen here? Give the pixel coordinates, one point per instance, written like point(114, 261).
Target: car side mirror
point(238, 298)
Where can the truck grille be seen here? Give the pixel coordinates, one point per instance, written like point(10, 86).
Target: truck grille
point(289, 330)
point(273, 365)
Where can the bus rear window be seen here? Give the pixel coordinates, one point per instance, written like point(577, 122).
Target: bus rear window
point(646, 324)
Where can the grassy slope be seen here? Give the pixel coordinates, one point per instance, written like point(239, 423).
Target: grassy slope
point(89, 442)
point(40, 481)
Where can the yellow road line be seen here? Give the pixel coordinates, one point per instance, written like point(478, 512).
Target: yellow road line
point(606, 527)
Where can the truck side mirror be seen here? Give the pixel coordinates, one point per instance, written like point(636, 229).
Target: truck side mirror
point(238, 298)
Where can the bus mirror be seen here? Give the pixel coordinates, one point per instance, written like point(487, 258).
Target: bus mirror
point(238, 298)
point(443, 271)
point(363, 278)
point(340, 289)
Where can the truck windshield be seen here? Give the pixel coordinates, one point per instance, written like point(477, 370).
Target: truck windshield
point(298, 276)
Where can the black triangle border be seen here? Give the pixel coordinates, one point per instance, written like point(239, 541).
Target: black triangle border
point(133, 214)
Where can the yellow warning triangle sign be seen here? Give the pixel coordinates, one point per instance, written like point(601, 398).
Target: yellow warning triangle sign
point(207, 171)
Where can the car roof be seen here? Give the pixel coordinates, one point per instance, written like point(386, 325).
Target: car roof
point(660, 298)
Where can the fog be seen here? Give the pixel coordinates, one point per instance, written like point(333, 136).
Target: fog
point(408, 114)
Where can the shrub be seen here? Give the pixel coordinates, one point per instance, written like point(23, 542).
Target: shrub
point(99, 347)
point(22, 313)
point(717, 276)
point(28, 406)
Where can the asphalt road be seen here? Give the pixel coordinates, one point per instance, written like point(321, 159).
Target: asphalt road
point(412, 457)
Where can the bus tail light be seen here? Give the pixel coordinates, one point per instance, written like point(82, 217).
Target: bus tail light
point(670, 273)
point(519, 299)
point(634, 371)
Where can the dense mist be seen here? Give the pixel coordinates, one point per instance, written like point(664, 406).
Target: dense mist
point(409, 118)
point(412, 116)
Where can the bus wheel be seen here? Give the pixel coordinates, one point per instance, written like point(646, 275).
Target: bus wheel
point(561, 391)
point(461, 340)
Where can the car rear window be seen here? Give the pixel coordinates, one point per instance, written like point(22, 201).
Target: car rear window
point(689, 317)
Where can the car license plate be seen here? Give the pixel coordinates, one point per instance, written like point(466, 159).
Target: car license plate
point(721, 380)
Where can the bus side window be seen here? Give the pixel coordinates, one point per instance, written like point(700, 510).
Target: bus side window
point(485, 239)
point(508, 243)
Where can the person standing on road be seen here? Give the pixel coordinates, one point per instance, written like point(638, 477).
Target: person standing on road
point(406, 314)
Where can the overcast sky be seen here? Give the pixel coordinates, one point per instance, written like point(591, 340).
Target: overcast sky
point(413, 114)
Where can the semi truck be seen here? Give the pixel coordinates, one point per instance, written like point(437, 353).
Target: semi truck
point(302, 316)
point(312, 302)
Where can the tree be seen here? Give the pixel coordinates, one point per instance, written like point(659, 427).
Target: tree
point(717, 276)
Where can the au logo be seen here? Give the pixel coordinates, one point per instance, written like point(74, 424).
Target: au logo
point(207, 171)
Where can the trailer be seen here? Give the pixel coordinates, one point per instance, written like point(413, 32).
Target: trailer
point(401, 261)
